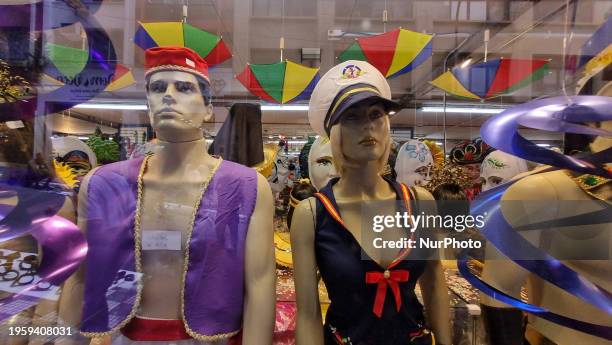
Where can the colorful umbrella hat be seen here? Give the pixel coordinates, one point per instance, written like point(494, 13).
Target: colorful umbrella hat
point(281, 82)
point(210, 46)
point(393, 53)
point(67, 62)
point(492, 78)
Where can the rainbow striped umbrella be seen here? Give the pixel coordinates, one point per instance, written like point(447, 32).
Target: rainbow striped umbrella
point(393, 53)
point(67, 62)
point(281, 82)
point(210, 46)
point(492, 78)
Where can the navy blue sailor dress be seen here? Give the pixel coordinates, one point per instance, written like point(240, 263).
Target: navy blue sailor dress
point(364, 295)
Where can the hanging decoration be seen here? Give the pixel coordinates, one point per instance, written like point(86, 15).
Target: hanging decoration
point(281, 82)
point(209, 46)
point(393, 53)
point(102, 57)
point(68, 62)
point(492, 78)
point(12, 87)
point(596, 53)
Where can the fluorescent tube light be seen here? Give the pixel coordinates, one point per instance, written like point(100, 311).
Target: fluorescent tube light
point(285, 107)
point(111, 106)
point(543, 145)
point(466, 63)
point(462, 110)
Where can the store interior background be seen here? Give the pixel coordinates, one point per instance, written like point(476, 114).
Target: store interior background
point(252, 30)
point(315, 32)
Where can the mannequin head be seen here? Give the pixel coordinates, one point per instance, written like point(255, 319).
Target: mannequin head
point(321, 167)
point(351, 105)
point(361, 137)
point(499, 167)
point(414, 163)
point(178, 107)
point(75, 153)
point(178, 93)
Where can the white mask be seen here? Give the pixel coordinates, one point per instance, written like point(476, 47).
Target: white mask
point(320, 163)
point(279, 178)
point(499, 167)
point(413, 163)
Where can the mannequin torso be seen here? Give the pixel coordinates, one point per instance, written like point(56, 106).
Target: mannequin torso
point(504, 274)
point(168, 202)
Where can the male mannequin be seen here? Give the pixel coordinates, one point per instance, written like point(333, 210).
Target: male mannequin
point(321, 163)
point(505, 275)
point(170, 184)
point(414, 163)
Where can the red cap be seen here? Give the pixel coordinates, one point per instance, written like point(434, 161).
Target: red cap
point(175, 59)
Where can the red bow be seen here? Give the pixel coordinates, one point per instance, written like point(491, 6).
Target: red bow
point(392, 278)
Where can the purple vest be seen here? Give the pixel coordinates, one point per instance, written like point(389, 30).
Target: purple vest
point(214, 284)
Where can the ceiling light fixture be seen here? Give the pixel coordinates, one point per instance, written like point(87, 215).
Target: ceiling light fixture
point(462, 110)
point(285, 107)
point(111, 106)
point(466, 63)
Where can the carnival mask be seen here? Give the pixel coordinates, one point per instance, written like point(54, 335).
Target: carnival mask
point(499, 167)
point(414, 163)
point(320, 163)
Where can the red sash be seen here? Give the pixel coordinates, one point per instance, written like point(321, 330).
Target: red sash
point(139, 329)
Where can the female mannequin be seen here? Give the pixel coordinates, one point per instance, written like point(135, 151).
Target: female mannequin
point(348, 107)
point(171, 185)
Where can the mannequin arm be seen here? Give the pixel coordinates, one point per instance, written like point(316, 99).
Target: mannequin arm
point(71, 299)
point(436, 301)
point(309, 325)
point(260, 271)
point(500, 271)
point(433, 284)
